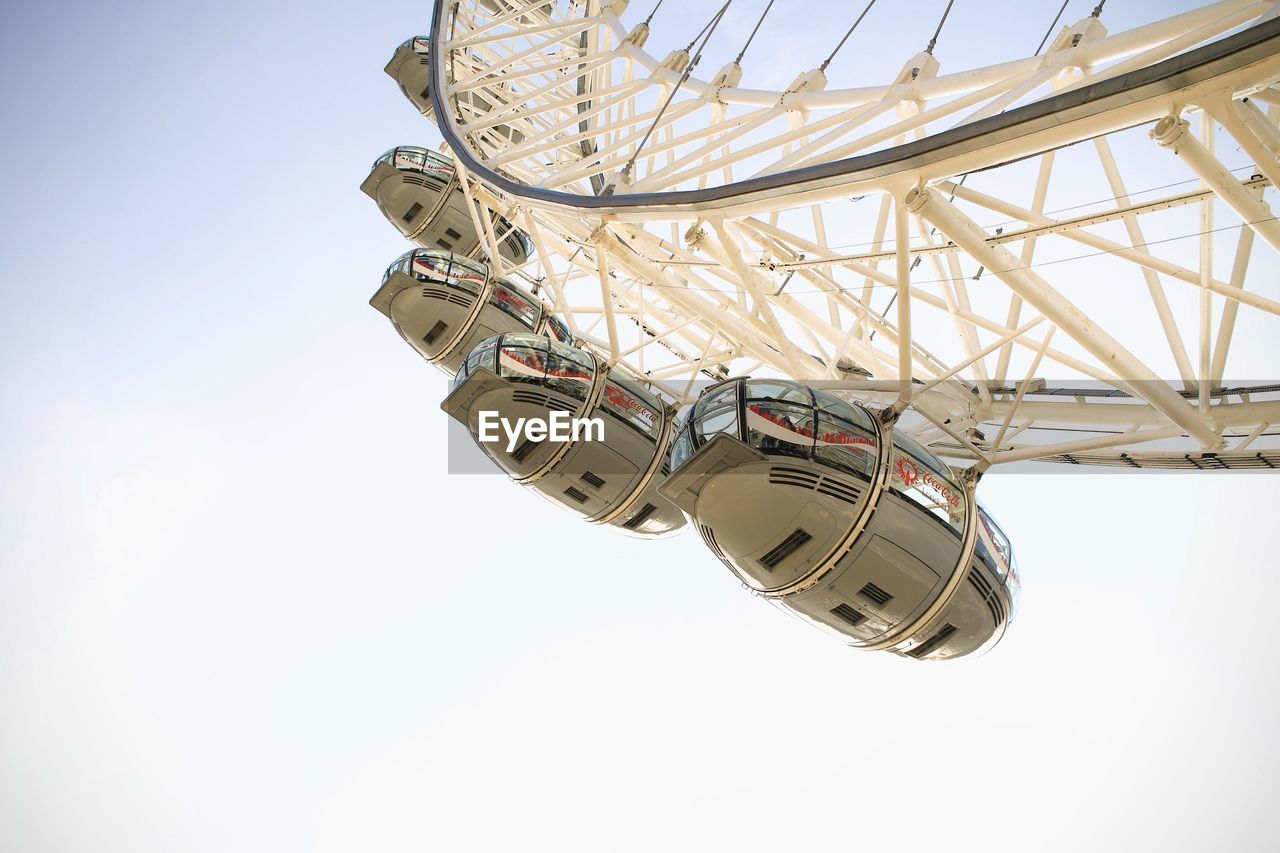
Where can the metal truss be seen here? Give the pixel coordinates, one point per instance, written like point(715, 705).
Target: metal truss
point(1072, 256)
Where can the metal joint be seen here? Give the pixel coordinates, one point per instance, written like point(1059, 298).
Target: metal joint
point(1169, 130)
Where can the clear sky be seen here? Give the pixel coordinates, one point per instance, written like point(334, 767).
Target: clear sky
point(243, 607)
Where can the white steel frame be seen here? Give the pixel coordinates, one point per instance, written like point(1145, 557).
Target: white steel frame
point(712, 249)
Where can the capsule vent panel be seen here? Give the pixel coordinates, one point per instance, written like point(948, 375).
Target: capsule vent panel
point(591, 480)
point(412, 212)
point(793, 477)
point(848, 614)
point(435, 332)
point(929, 645)
point(640, 517)
point(523, 450)
point(709, 536)
point(800, 478)
point(876, 594)
point(989, 595)
point(453, 235)
point(794, 541)
point(454, 298)
point(533, 398)
point(839, 491)
point(574, 495)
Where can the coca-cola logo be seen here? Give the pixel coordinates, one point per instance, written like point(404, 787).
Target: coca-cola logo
point(514, 302)
point(628, 405)
point(906, 471)
point(913, 476)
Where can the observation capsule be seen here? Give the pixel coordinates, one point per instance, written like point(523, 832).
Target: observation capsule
point(605, 461)
point(410, 68)
point(816, 505)
point(444, 304)
point(420, 194)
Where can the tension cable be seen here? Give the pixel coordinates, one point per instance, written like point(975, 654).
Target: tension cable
point(823, 66)
point(738, 61)
point(938, 31)
point(705, 35)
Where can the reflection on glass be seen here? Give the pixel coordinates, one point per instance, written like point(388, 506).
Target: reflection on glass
point(515, 302)
point(845, 444)
point(780, 428)
point(786, 392)
point(790, 419)
point(682, 449)
point(993, 545)
point(435, 266)
point(557, 329)
point(1014, 584)
point(523, 243)
point(523, 358)
point(716, 418)
point(569, 371)
point(481, 356)
point(927, 481)
point(633, 403)
point(411, 158)
point(716, 412)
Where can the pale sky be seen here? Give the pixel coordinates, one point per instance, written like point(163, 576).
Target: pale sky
point(244, 608)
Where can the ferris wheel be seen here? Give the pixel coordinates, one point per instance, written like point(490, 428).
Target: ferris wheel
point(1069, 257)
point(709, 202)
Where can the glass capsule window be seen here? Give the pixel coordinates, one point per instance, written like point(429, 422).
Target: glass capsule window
point(537, 359)
point(481, 356)
point(399, 265)
point(782, 392)
point(411, 158)
point(523, 358)
point(534, 359)
point(996, 555)
point(716, 412)
point(783, 418)
point(780, 417)
point(682, 449)
point(927, 481)
point(431, 265)
point(1013, 583)
point(557, 330)
point(846, 436)
point(781, 428)
point(999, 556)
point(514, 301)
point(523, 240)
point(570, 370)
point(633, 403)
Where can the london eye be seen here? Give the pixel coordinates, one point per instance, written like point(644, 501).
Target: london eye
point(815, 316)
